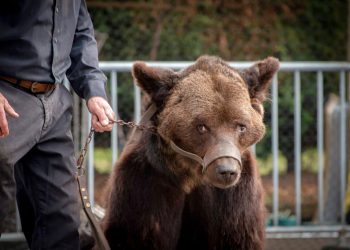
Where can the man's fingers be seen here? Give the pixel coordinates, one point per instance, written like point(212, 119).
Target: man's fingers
point(102, 117)
point(109, 112)
point(103, 113)
point(96, 124)
point(111, 116)
point(10, 110)
point(109, 127)
point(4, 129)
point(5, 108)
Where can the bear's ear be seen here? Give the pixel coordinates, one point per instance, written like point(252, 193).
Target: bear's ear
point(156, 82)
point(258, 77)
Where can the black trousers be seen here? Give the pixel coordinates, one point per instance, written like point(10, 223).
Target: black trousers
point(38, 159)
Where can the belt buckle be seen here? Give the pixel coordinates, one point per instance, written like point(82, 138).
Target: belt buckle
point(33, 89)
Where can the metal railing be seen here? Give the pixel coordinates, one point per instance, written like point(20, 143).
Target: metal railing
point(112, 69)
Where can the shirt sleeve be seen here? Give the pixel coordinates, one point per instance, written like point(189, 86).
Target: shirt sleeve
point(84, 74)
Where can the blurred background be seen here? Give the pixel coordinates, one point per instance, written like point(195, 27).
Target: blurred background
point(304, 157)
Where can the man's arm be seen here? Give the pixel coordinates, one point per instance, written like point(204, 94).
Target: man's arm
point(86, 78)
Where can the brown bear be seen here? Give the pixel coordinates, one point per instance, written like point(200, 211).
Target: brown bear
point(194, 183)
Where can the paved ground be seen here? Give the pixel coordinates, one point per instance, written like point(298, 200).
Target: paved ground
point(304, 244)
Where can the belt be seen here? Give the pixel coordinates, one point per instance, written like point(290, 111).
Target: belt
point(31, 86)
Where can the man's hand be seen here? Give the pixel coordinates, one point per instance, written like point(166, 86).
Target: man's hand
point(101, 113)
point(5, 108)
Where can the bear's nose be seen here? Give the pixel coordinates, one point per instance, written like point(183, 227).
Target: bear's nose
point(226, 173)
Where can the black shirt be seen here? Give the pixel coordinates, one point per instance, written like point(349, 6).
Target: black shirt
point(42, 40)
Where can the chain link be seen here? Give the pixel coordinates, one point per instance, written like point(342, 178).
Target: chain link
point(134, 125)
point(81, 158)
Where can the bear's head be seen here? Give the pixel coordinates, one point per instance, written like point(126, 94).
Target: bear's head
point(208, 111)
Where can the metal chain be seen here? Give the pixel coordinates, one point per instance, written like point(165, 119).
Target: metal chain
point(80, 161)
point(134, 125)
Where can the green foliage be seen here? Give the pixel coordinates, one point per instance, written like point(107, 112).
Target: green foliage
point(103, 160)
point(265, 164)
point(309, 160)
point(249, 30)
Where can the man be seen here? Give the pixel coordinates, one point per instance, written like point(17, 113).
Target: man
point(40, 42)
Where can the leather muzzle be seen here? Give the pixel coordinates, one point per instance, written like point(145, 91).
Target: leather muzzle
point(221, 150)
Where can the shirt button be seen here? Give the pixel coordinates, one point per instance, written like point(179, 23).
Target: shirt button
point(55, 40)
point(56, 10)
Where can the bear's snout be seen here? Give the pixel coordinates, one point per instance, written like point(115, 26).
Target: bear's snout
point(226, 173)
point(223, 172)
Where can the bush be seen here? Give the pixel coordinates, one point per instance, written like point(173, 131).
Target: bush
point(309, 160)
point(265, 164)
point(103, 160)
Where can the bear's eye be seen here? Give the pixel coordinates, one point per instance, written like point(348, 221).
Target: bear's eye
point(202, 128)
point(241, 128)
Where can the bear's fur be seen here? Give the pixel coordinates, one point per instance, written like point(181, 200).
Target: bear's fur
point(159, 199)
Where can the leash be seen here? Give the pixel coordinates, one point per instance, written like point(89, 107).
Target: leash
point(101, 241)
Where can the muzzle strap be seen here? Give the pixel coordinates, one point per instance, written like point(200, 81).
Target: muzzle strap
point(192, 156)
point(223, 149)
